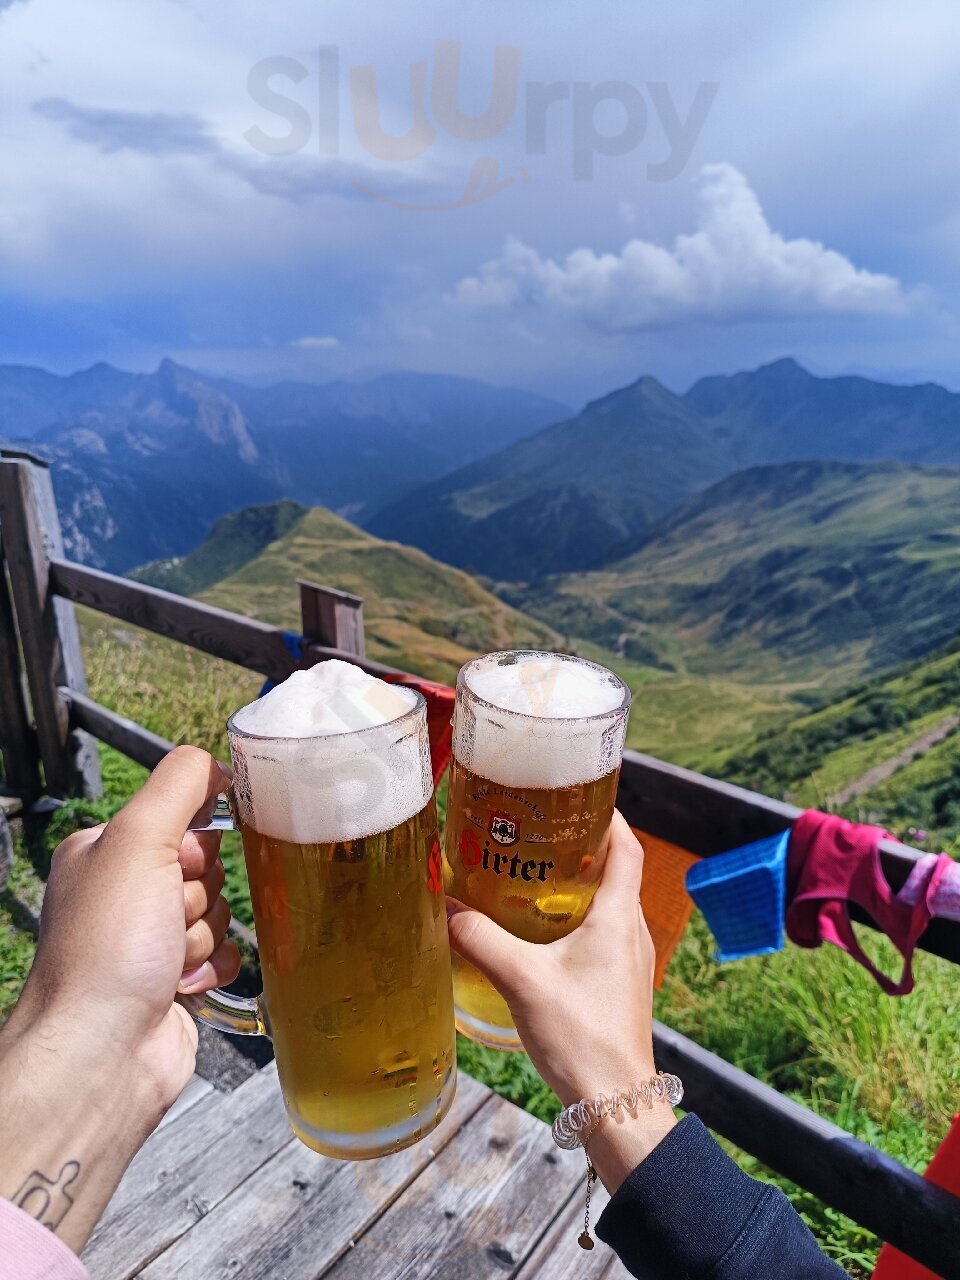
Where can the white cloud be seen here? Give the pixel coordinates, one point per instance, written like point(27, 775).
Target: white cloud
point(734, 267)
point(322, 344)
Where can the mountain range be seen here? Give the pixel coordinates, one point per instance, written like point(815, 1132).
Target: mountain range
point(582, 491)
point(143, 463)
point(806, 571)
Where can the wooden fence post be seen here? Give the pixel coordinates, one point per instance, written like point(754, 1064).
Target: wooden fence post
point(47, 625)
point(331, 618)
point(18, 740)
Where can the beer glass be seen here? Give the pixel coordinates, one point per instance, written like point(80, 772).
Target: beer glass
point(537, 745)
point(346, 878)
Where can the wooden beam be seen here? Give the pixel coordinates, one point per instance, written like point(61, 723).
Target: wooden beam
point(868, 1186)
point(707, 816)
point(86, 761)
point(244, 641)
point(6, 851)
point(314, 653)
point(29, 564)
point(331, 617)
point(18, 740)
point(115, 730)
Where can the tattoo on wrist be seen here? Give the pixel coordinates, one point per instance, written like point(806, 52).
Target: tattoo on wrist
point(48, 1199)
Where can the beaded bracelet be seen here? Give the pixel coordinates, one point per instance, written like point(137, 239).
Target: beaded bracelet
point(576, 1124)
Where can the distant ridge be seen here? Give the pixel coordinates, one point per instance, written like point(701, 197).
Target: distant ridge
point(575, 494)
point(143, 463)
point(569, 495)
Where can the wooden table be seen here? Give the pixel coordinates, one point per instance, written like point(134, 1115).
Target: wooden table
point(223, 1190)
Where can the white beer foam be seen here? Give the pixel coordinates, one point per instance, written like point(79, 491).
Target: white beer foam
point(551, 721)
point(329, 762)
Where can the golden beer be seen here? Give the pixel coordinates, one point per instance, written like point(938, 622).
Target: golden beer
point(356, 979)
point(533, 786)
point(339, 829)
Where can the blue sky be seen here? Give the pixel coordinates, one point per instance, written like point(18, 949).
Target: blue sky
point(710, 187)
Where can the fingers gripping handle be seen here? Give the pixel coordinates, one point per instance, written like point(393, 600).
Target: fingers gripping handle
point(236, 1015)
point(217, 818)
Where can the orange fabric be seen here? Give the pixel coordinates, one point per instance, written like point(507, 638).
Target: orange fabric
point(667, 907)
point(943, 1171)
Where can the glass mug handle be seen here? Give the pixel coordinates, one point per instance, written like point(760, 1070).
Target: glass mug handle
point(236, 1015)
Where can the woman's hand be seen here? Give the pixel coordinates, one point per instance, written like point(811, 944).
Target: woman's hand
point(96, 1050)
point(583, 1005)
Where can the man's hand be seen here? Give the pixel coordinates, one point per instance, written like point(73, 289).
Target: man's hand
point(96, 1050)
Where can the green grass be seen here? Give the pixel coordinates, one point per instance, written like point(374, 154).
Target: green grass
point(691, 720)
point(816, 754)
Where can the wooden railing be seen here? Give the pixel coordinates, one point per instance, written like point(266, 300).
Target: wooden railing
point(50, 750)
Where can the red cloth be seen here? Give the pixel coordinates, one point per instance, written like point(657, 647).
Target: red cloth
point(943, 1171)
point(439, 699)
point(833, 863)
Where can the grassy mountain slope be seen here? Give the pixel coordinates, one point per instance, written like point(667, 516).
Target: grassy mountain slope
point(568, 496)
point(233, 542)
point(820, 753)
point(419, 614)
point(808, 571)
point(425, 616)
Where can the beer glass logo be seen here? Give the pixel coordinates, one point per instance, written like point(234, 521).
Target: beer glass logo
point(613, 118)
point(504, 827)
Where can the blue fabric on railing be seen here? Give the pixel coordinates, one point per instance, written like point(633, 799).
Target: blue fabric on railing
point(742, 894)
point(294, 643)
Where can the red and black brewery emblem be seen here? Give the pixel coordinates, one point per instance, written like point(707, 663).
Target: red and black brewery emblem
point(504, 827)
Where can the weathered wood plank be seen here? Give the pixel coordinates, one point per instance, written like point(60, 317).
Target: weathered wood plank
point(296, 1215)
point(6, 851)
point(29, 568)
point(478, 1210)
point(196, 1090)
point(244, 641)
point(86, 761)
point(314, 653)
point(115, 730)
point(868, 1186)
point(184, 1171)
point(18, 741)
point(558, 1256)
point(707, 816)
point(332, 617)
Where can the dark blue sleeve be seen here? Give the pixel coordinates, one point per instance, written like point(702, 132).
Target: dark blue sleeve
point(688, 1213)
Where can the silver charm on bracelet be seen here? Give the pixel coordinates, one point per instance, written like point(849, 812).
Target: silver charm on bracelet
point(574, 1126)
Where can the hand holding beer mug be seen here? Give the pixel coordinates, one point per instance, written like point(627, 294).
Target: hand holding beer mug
point(334, 797)
point(537, 745)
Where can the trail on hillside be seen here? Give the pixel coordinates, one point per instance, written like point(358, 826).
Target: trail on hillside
point(881, 772)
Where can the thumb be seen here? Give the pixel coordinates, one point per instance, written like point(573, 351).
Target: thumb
point(156, 818)
point(497, 954)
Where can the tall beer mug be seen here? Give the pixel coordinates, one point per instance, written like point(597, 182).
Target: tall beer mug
point(333, 795)
point(537, 745)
